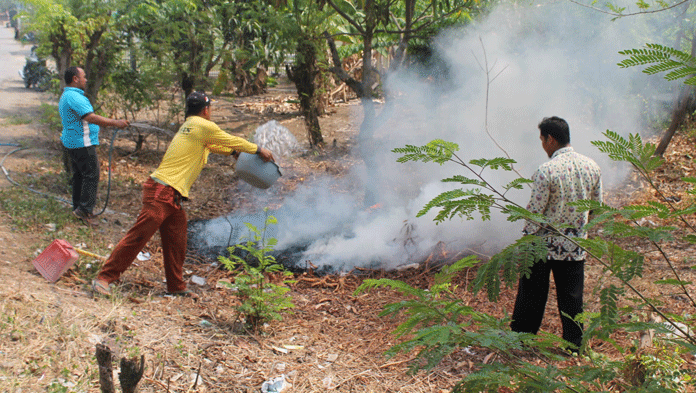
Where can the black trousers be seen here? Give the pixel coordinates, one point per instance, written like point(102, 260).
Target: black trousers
point(85, 167)
point(533, 292)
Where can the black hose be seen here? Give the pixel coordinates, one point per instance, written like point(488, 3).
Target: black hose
point(111, 150)
point(7, 174)
point(108, 185)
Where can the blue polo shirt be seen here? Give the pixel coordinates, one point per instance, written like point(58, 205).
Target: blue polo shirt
point(73, 107)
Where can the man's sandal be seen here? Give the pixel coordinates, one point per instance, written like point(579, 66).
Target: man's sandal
point(101, 287)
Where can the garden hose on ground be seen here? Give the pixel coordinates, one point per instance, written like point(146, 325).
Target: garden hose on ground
point(111, 150)
point(7, 175)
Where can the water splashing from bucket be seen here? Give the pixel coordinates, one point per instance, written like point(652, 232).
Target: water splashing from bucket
point(276, 138)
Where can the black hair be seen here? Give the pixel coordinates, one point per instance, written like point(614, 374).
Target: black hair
point(195, 103)
point(70, 74)
point(194, 110)
point(557, 128)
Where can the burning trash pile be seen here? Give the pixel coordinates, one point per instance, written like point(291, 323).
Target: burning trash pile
point(313, 237)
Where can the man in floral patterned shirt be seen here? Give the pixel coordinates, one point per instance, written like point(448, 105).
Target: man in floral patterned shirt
point(567, 177)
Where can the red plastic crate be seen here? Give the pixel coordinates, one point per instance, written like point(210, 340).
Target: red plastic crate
point(55, 260)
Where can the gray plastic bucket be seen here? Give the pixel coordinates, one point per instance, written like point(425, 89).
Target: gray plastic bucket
point(252, 169)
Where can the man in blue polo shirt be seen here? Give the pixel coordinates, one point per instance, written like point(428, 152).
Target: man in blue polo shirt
point(80, 137)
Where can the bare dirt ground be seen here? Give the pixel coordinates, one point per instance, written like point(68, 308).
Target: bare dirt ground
point(333, 341)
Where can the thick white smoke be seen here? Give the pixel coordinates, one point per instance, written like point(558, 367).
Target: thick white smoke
point(555, 59)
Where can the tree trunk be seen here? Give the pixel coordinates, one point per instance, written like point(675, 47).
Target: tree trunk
point(338, 70)
point(139, 142)
point(679, 114)
point(369, 78)
point(61, 51)
point(187, 83)
point(367, 148)
point(303, 76)
point(95, 65)
point(680, 111)
point(400, 54)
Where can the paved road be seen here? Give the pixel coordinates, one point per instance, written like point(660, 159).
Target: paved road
point(12, 54)
point(17, 102)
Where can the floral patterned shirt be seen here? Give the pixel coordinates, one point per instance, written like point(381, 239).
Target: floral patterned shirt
point(567, 177)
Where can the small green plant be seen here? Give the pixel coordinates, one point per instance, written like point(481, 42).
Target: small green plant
point(658, 368)
point(18, 120)
point(32, 211)
point(261, 299)
point(438, 322)
point(50, 117)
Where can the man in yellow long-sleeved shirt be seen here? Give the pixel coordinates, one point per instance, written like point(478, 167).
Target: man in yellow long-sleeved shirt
point(164, 190)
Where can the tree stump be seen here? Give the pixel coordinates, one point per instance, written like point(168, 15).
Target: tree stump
point(106, 372)
point(131, 372)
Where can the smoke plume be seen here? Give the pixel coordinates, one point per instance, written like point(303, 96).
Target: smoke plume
point(485, 87)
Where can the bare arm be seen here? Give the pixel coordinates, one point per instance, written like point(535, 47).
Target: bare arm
point(105, 121)
point(265, 154)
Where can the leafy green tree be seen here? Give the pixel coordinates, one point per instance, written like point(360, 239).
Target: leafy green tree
point(382, 25)
point(191, 37)
point(259, 35)
point(6, 5)
point(78, 33)
point(177, 35)
point(306, 22)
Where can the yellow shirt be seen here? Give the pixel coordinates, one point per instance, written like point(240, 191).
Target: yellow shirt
point(188, 152)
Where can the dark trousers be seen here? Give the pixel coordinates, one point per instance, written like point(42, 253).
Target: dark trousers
point(85, 177)
point(533, 292)
point(161, 211)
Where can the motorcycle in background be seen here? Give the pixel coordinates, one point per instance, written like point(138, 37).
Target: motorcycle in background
point(35, 73)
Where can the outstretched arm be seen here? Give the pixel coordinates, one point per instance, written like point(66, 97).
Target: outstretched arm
point(105, 121)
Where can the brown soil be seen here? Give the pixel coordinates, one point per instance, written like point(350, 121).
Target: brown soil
point(333, 340)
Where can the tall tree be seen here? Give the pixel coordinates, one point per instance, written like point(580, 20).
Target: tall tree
point(77, 33)
point(308, 22)
point(390, 23)
point(179, 35)
point(303, 74)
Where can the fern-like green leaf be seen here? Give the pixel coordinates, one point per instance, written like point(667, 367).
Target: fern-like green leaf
point(495, 163)
point(506, 266)
point(633, 151)
point(437, 150)
point(397, 285)
point(464, 180)
point(515, 213)
point(677, 64)
point(518, 183)
point(459, 203)
point(663, 66)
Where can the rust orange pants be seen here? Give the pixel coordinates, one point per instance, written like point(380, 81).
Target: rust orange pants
point(161, 211)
